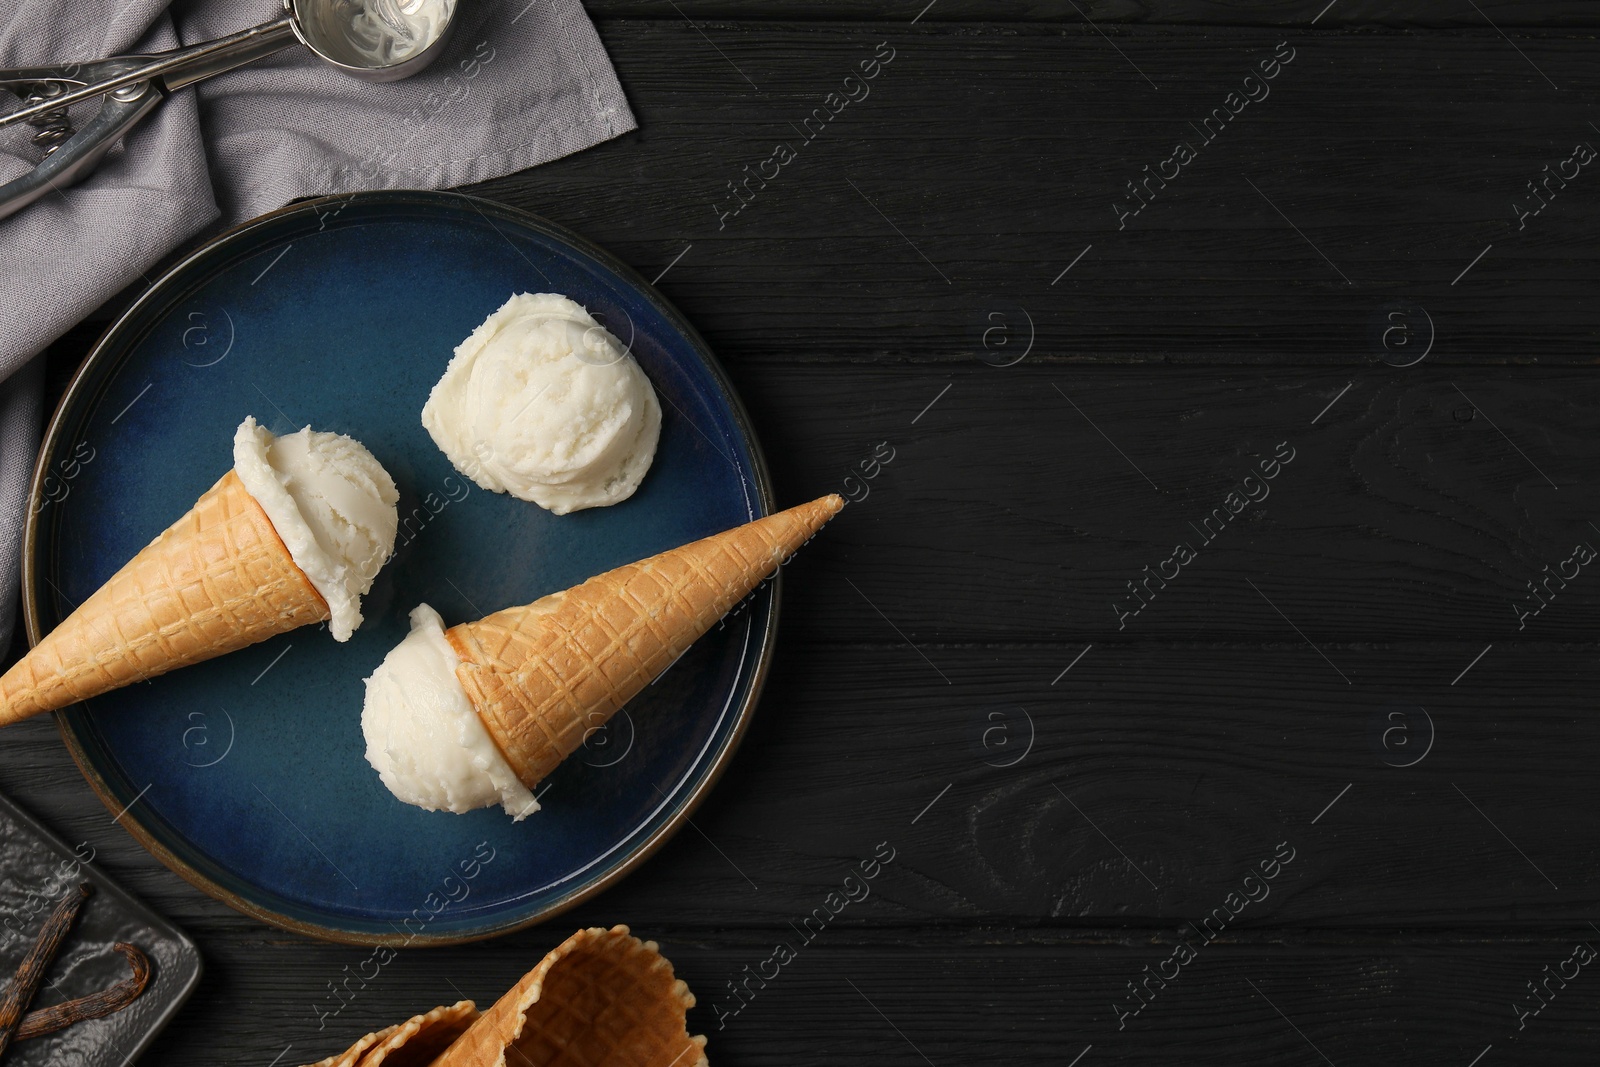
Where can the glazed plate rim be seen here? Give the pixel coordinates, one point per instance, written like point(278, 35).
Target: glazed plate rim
point(100, 364)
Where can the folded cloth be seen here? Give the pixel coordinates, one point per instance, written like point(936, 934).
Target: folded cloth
point(522, 82)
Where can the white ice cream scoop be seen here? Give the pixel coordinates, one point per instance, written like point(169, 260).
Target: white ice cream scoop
point(542, 402)
point(331, 502)
point(424, 738)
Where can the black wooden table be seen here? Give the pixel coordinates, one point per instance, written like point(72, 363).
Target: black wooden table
point(1215, 655)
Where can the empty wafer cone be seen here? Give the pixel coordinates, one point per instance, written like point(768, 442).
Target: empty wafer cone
point(216, 580)
point(351, 1057)
point(601, 997)
point(543, 675)
point(417, 1042)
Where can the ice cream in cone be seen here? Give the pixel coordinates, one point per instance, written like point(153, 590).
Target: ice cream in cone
point(478, 714)
point(293, 535)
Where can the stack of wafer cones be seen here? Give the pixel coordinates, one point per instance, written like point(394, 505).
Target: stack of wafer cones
point(602, 997)
point(218, 579)
point(543, 676)
point(417, 1042)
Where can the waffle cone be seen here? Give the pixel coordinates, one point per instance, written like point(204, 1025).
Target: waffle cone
point(602, 997)
point(543, 675)
point(417, 1042)
point(216, 580)
point(351, 1056)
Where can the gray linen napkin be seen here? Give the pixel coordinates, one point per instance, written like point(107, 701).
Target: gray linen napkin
point(521, 83)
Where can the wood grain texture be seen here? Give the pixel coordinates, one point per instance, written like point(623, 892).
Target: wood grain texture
point(1430, 14)
point(1139, 787)
point(884, 288)
point(998, 152)
point(945, 999)
point(1022, 503)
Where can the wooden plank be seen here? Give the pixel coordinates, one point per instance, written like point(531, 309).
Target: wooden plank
point(1296, 14)
point(1023, 502)
point(946, 1000)
point(963, 595)
point(1157, 779)
point(1139, 787)
point(1020, 502)
point(999, 154)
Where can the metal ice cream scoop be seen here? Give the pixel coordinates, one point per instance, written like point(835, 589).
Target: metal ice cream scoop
point(374, 40)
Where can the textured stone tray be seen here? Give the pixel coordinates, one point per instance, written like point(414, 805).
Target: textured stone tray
point(36, 868)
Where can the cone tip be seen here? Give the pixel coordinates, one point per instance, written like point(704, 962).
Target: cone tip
point(813, 515)
point(823, 508)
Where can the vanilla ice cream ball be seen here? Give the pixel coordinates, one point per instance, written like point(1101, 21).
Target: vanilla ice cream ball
point(424, 738)
point(542, 402)
point(332, 504)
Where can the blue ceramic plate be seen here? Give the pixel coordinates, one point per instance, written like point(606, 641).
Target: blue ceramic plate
point(246, 774)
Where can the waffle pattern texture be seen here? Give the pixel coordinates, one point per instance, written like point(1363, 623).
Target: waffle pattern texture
point(216, 580)
point(541, 676)
point(603, 998)
point(416, 1042)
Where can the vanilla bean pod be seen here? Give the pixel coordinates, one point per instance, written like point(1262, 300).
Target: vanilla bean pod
point(107, 1001)
point(20, 990)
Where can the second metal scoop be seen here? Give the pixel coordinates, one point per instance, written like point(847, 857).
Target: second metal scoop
point(374, 40)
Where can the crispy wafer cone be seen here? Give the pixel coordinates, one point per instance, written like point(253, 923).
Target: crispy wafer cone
point(351, 1056)
point(417, 1042)
point(216, 580)
point(602, 997)
point(543, 675)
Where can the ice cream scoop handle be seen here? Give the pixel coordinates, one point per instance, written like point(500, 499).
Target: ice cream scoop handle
point(172, 70)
